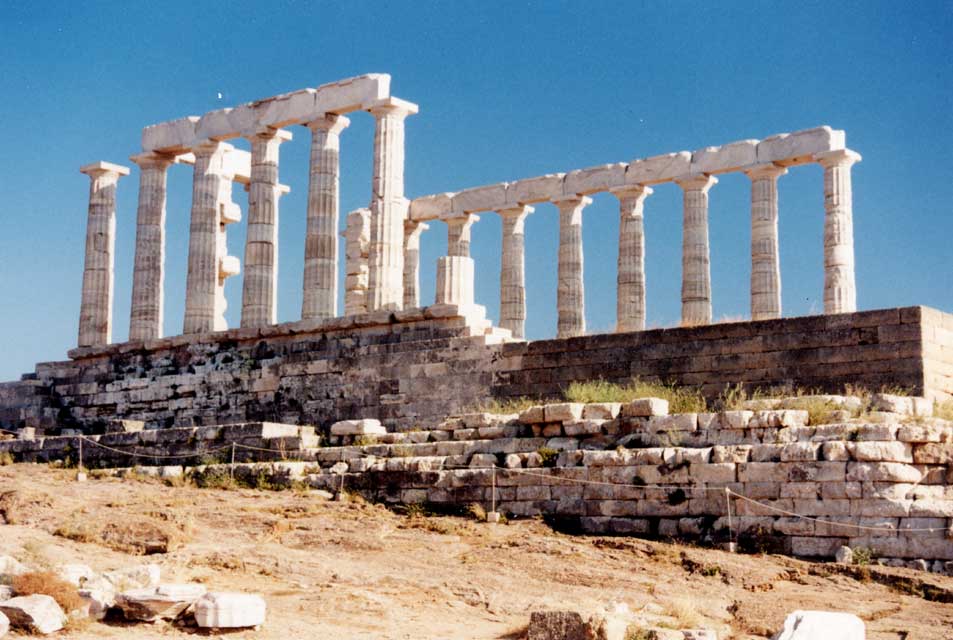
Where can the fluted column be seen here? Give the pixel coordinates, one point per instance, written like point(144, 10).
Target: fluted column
point(209, 264)
point(260, 284)
point(412, 231)
point(321, 236)
point(840, 290)
point(696, 267)
point(145, 318)
point(512, 271)
point(96, 304)
point(765, 261)
point(455, 271)
point(570, 291)
point(357, 244)
point(388, 205)
point(630, 279)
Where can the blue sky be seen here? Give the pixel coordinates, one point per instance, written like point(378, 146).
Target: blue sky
point(506, 91)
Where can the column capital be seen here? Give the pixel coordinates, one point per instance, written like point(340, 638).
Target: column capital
point(267, 133)
point(765, 170)
point(465, 219)
point(415, 227)
point(571, 201)
point(631, 191)
point(101, 168)
point(391, 106)
point(153, 159)
point(208, 147)
point(331, 122)
point(701, 181)
point(838, 157)
point(519, 211)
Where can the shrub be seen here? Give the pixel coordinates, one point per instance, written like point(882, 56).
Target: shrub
point(862, 556)
point(5, 458)
point(507, 405)
point(476, 511)
point(548, 455)
point(49, 584)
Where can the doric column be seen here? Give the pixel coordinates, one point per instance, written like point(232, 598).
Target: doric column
point(145, 318)
point(765, 261)
point(412, 231)
point(840, 290)
point(570, 291)
point(512, 270)
point(696, 267)
point(388, 205)
point(96, 305)
point(260, 284)
point(209, 264)
point(455, 270)
point(357, 244)
point(321, 236)
point(630, 280)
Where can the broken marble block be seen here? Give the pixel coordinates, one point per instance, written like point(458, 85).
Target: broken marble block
point(364, 427)
point(165, 602)
point(37, 613)
point(4, 625)
point(821, 625)
point(146, 575)
point(220, 610)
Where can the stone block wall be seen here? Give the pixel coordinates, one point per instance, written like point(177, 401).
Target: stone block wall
point(412, 368)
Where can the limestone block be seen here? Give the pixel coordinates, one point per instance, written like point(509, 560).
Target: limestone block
point(766, 452)
point(533, 415)
point(835, 451)
point(583, 427)
point(920, 433)
point(675, 422)
point(645, 407)
point(224, 610)
point(487, 198)
point(799, 451)
point(722, 472)
point(799, 147)
point(732, 453)
point(658, 169)
point(933, 453)
point(735, 419)
point(539, 189)
point(881, 451)
point(594, 179)
point(75, 574)
point(480, 460)
point(165, 602)
point(563, 412)
point(4, 624)
point(884, 432)
point(729, 157)
point(431, 207)
point(37, 613)
point(357, 427)
point(601, 410)
point(175, 135)
point(821, 625)
point(882, 472)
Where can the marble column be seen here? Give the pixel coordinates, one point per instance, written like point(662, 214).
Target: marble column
point(512, 270)
point(570, 291)
point(260, 284)
point(388, 205)
point(412, 232)
point(96, 305)
point(630, 278)
point(357, 244)
point(455, 271)
point(321, 236)
point(840, 290)
point(765, 261)
point(148, 276)
point(209, 263)
point(696, 267)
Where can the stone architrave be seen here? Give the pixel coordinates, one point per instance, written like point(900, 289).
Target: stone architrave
point(260, 283)
point(357, 243)
point(840, 290)
point(96, 306)
point(208, 263)
point(696, 267)
point(455, 271)
point(630, 300)
point(570, 291)
point(321, 236)
point(765, 260)
point(148, 276)
point(512, 270)
point(412, 232)
point(388, 205)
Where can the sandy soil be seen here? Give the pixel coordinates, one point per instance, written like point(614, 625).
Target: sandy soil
point(353, 570)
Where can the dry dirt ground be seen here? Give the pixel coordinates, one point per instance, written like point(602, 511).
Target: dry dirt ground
point(355, 570)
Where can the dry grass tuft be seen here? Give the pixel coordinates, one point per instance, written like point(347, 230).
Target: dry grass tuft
point(49, 584)
point(685, 613)
point(507, 406)
point(680, 399)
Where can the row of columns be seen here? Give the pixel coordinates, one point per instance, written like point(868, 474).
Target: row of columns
point(455, 279)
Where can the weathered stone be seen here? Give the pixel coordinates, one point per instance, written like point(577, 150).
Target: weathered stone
point(223, 610)
point(357, 427)
point(165, 602)
point(139, 577)
point(4, 624)
point(645, 407)
point(10, 567)
point(37, 613)
point(75, 574)
point(821, 625)
point(844, 555)
point(564, 412)
point(601, 410)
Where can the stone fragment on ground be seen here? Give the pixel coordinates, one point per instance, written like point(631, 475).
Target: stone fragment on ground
point(610, 624)
point(9, 567)
point(165, 602)
point(142, 576)
point(6, 592)
point(36, 613)
point(4, 625)
point(821, 625)
point(844, 555)
point(221, 610)
point(75, 574)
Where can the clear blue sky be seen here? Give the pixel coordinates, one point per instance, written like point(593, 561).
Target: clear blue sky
point(506, 91)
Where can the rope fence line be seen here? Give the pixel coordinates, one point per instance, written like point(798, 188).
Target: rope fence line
point(232, 446)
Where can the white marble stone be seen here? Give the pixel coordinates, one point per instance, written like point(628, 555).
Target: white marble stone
point(726, 158)
point(630, 278)
point(221, 610)
point(765, 258)
point(696, 267)
point(37, 614)
point(658, 169)
point(821, 625)
point(570, 288)
point(430, 207)
point(800, 147)
point(486, 198)
point(840, 290)
point(412, 231)
point(594, 179)
point(512, 270)
point(357, 246)
point(538, 189)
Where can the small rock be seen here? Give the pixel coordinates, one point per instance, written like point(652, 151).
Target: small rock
point(557, 625)
point(97, 601)
point(9, 567)
point(37, 613)
point(230, 610)
point(844, 555)
point(165, 602)
point(146, 575)
point(821, 625)
point(75, 574)
point(5, 592)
